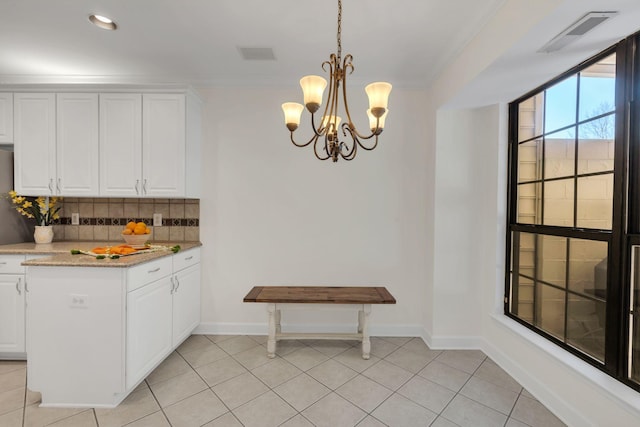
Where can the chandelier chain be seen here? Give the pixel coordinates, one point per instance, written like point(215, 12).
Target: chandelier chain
point(339, 30)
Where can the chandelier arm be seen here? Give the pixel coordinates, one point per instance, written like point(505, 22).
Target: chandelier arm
point(375, 144)
point(346, 64)
point(347, 129)
point(315, 150)
point(366, 136)
point(332, 77)
point(352, 153)
point(317, 131)
point(304, 144)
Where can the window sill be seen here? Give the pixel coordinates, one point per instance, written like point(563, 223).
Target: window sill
point(614, 389)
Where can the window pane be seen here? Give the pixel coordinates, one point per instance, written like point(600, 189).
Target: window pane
point(526, 254)
point(595, 145)
point(530, 113)
point(550, 310)
point(588, 267)
point(560, 104)
point(634, 301)
point(529, 160)
point(558, 203)
point(602, 128)
point(552, 259)
point(586, 325)
point(529, 203)
point(597, 88)
point(521, 280)
point(559, 155)
point(595, 201)
point(634, 317)
point(634, 349)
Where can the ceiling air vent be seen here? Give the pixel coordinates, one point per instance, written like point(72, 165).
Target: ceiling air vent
point(257, 53)
point(577, 30)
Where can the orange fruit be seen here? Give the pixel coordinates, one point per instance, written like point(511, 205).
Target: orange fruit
point(127, 231)
point(131, 225)
point(147, 231)
point(141, 224)
point(139, 230)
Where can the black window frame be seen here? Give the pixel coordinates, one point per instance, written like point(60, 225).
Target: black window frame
point(625, 230)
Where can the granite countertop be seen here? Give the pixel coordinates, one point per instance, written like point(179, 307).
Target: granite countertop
point(60, 253)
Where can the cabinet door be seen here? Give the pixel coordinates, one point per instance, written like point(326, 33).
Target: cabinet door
point(12, 317)
point(148, 328)
point(186, 303)
point(6, 117)
point(34, 143)
point(163, 145)
point(77, 144)
point(120, 145)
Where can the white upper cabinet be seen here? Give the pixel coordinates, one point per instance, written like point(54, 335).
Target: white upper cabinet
point(121, 145)
point(107, 145)
point(35, 143)
point(163, 145)
point(6, 118)
point(77, 144)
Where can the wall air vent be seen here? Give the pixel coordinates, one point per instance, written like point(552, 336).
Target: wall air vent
point(257, 53)
point(576, 30)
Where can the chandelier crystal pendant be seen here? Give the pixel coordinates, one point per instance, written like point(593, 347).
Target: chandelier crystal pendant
point(326, 140)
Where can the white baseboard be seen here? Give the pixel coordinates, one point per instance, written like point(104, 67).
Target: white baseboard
point(451, 342)
point(211, 328)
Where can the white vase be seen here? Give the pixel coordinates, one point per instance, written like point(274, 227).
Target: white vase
point(43, 234)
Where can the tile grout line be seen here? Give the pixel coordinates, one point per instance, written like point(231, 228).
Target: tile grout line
point(157, 401)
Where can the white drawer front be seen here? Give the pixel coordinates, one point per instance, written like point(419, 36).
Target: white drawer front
point(10, 264)
point(185, 259)
point(148, 272)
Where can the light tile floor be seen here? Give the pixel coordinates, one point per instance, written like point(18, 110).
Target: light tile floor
point(227, 381)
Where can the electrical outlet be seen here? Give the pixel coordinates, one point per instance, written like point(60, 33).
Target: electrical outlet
point(78, 300)
point(157, 220)
point(75, 218)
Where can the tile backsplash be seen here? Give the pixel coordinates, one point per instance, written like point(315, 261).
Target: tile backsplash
point(104, 219)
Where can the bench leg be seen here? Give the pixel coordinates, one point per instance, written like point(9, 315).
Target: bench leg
point(278, 318)
point(366, 343)
point(271, 339)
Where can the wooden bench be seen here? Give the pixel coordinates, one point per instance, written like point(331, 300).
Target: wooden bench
point(315, 297)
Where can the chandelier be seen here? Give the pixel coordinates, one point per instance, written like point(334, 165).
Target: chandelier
point(326, 138)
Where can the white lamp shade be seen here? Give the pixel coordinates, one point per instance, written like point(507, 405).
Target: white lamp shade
point(313, 89)
point(335, 120)
point(373, 120)
point(292, 112)
point(378, 94)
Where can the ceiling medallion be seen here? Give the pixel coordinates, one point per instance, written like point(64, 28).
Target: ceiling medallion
point(326, 139)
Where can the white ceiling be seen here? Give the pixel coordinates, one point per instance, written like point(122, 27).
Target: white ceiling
point(406, 42)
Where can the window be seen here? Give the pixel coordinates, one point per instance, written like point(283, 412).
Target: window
point(573, 241)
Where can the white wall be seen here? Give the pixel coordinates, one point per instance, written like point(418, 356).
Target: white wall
point(468, 230)
point(272, 214)
point(469, 274)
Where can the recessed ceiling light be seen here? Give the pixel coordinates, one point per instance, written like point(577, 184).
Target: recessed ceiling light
point(102, 22)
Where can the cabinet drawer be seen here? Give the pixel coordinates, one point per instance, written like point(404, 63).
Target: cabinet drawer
point(148, 272)
point(11, 264)
point(185, 259)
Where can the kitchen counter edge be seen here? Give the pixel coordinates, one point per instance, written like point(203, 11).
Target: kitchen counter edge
point(61, 254)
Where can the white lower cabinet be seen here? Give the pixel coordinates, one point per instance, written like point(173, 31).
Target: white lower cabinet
point(95, 333)
point(13, 292)
point(186, 294)
point(148, 328)
point(12, 319)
